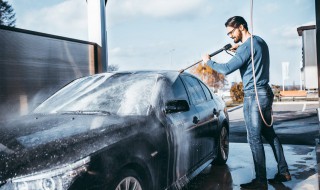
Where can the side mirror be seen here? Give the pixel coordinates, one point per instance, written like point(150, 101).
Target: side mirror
point(174, 106)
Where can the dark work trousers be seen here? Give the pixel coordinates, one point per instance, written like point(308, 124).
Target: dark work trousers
point(256, 129)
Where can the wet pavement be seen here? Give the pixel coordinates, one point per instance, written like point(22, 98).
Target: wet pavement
point(297, 126)
point(294, 122)
point(239, 169)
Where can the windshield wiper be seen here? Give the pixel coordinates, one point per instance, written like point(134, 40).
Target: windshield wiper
point(97, 112)
point(89, 112)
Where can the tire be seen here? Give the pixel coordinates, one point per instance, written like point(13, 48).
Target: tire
point(128, 180)
point(222, 147)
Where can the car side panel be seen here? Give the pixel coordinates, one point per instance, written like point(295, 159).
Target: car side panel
point(208, 129)
point(146, 152)
point(183, 130)
point(204, 132)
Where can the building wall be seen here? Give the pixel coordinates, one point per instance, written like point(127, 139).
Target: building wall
point(35, 65)
point(310, 59)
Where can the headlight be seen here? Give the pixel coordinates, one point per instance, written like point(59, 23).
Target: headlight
point(56, 179)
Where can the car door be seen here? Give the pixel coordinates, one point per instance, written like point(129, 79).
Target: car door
point(201, 131)
point(209, 113)
point(182, 137)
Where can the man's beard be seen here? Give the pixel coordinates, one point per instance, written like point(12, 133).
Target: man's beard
point(237, 39)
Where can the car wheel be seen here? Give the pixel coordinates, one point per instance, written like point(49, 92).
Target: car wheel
point(222, 147)
point(129, 180)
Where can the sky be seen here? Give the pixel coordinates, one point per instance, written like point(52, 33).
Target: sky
point(173, 34)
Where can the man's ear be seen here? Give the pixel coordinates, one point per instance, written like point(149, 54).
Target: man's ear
point(241, 27)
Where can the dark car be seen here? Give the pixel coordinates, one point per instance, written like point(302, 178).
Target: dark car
point(125, 130)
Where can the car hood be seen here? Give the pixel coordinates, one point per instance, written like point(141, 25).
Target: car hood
point(37, 142)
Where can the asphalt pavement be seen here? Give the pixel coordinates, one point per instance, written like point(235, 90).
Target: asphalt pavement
point(297, 126)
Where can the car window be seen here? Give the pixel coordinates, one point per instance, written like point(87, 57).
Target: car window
point(179, 90)
point(196, 93)
point(206, 91)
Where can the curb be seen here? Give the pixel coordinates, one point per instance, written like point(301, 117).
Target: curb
point(235, 108)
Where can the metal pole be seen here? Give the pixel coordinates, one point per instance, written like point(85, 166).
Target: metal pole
point(104, 49)
point(97, 28)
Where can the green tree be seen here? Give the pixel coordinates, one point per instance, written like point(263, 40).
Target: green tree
point(7, 15)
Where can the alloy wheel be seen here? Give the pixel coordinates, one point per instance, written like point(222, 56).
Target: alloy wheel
point(129, 183)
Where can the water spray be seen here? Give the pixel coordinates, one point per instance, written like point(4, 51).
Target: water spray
point(225, 48)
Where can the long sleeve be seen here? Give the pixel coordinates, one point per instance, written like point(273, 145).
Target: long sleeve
point(240, 58)
point(242, 61)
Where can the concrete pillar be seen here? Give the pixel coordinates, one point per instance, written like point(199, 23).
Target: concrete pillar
point(97, 28)
point(317, 6)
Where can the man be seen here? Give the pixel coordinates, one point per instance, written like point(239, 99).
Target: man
point(237, 29)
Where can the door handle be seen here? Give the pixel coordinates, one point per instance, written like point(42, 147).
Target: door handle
point(195, 120)
point(214, 111)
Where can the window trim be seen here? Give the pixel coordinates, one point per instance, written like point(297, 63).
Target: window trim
point(207, 89)
point(189, 95)
point(186, 89)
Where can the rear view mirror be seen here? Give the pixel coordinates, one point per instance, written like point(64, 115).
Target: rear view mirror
point(174, 106)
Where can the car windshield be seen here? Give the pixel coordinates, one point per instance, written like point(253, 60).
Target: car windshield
point(121, 94)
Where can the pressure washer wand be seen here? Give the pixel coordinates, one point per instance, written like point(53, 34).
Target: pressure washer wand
point(226, 47)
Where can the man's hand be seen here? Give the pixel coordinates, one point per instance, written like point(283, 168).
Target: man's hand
point(205, 58)
point(234, 47)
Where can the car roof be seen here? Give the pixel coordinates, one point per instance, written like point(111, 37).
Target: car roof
point(169, 74)
point(163, 72)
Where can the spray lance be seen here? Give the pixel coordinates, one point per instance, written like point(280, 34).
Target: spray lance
point(225, 48)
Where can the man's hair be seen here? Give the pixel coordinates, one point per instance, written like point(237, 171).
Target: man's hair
point(236, 21)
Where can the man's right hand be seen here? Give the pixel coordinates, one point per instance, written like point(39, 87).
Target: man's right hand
point(234, 47)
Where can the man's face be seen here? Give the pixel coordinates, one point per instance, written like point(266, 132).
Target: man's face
point(234, 33)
